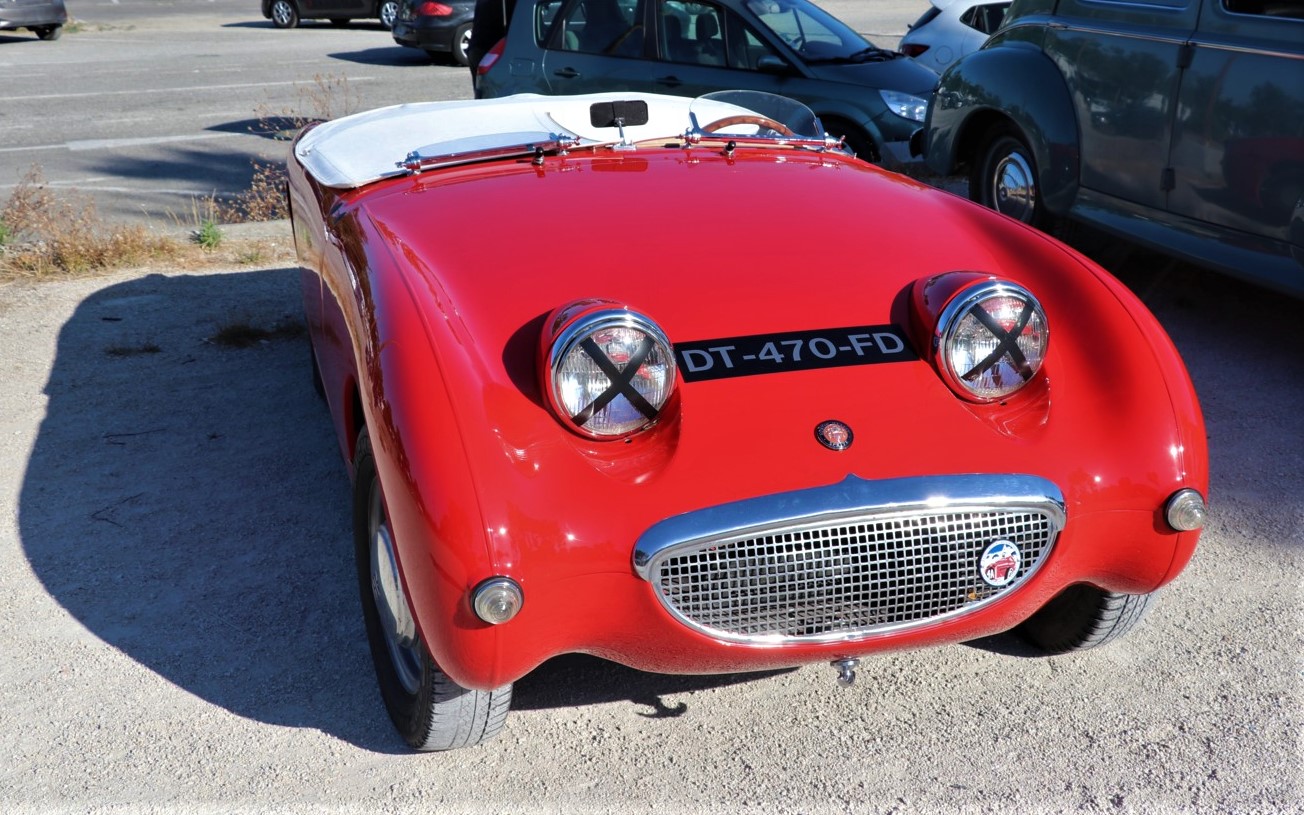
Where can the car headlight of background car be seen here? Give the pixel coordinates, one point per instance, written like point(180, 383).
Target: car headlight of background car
point(610, 371)
point(991, 340)
point(914, 108)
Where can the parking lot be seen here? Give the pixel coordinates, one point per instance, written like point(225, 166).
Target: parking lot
point(181, 630)
point(153, 105)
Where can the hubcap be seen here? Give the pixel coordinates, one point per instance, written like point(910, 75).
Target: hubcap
point(388, 12)
point(281, 13)
point(396, 621)
point(1014, 188)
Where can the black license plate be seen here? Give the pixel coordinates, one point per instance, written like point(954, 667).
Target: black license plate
point(792, 351)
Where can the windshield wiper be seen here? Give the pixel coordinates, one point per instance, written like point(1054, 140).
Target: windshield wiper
point(871, 54)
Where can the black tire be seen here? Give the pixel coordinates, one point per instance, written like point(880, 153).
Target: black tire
point(285, 14)
point(1082, 617)
point(49, 32)
point(388, 13)
point(462, 42)
point(1003, 176)
point(430, 710)
point(855, 140)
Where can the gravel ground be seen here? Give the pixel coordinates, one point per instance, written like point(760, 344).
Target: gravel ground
point(181, 632)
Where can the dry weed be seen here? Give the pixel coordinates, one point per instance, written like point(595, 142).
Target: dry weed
point(263, 201)
point(51, 235)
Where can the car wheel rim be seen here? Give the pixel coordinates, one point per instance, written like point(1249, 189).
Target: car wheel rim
point(465, 43)
point(388, 12)
point(1014, 191)
point(281, 13)
point(396, 621)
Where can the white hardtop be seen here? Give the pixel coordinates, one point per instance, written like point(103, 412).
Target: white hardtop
point(357, 150)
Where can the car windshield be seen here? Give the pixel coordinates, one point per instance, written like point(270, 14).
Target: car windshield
point(814, 33)
point(753, 115)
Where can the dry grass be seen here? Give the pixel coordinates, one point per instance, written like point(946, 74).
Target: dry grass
point(263, 201)
point(46, 235)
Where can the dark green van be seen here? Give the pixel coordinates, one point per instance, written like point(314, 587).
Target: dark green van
point(1178, 124)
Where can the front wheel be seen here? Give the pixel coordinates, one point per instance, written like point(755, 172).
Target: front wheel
point(1082, 617)
point(430, 710)
point(1004, 177)
point(49, 32)
point(285, 14)
point(462, 45)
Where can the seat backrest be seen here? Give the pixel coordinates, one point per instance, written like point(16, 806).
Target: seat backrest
point(706, 32)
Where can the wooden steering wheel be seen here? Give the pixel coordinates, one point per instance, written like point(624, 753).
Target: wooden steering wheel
point(748, 119)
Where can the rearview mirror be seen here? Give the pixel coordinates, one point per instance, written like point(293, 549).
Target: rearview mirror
point(621, 113)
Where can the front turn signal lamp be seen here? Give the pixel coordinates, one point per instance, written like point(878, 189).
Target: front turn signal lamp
point(497, 600)
point(1186, 511)
point(609, 371)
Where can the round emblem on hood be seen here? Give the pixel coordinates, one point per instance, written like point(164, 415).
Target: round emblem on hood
point(1000, 563)
point(834, 435)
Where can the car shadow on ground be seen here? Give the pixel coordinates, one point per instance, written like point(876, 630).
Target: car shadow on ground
point(186, 502)
point(395, 55)
point(308, 25)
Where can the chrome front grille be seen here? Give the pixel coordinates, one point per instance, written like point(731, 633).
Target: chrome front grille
point(862, 558)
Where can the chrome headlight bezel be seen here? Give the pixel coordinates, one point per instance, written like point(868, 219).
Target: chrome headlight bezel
point(958, 317)
point(569, 345)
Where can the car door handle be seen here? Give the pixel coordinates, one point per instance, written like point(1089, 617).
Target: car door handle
point(566, 73)
point(669, 81)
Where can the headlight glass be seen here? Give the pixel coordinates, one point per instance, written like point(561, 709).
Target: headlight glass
point(906, 106)
point(612, 373)
point(992, 340)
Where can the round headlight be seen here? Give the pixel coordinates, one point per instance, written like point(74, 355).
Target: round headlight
point(611, 373)
point(991, 340)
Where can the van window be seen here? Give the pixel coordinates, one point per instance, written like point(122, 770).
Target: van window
point(1268, 8)
point(608, 27)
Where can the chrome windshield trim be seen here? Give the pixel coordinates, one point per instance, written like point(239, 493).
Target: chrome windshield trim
point(481, 148)
point(852, 497)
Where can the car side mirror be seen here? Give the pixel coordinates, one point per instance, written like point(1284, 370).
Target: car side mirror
point(770, 64)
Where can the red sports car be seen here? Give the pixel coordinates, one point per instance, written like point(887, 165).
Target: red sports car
point(681, 384)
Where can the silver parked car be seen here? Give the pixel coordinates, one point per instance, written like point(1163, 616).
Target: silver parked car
point(950, 29)
point(44, 18)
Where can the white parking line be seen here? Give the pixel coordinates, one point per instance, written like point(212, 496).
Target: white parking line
point(112, 144)
point(48, 96)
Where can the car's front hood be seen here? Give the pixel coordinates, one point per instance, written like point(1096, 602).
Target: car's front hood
point(900, 74)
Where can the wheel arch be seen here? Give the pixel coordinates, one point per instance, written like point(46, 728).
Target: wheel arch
point(1015, 84)
point(837, 121)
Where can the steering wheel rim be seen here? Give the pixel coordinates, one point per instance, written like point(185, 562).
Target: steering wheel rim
point(749, 119)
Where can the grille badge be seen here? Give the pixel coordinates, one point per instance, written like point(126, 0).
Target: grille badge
point(834, 435)
point(1000, 563)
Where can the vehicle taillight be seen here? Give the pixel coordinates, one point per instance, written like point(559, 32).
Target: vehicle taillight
point(913, 49)
point(432, 9)
point(491, 56)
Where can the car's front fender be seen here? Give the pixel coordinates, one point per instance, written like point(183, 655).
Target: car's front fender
point(1012, 83)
